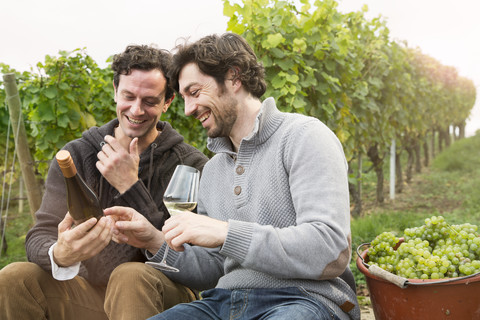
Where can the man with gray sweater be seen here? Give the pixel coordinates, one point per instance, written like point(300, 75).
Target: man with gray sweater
point(273, 201)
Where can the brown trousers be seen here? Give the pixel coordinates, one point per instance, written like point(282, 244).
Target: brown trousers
point(134, 291)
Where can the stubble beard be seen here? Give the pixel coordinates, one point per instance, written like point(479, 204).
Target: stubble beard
point(225, 120)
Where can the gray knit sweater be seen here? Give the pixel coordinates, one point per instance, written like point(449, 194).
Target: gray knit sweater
point(285, 196)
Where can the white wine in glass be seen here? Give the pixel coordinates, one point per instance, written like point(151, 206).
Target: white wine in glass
point(177, 207)
point(181, 195)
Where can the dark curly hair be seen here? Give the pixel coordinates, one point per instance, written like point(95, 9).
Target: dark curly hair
point(143, 57)
point(215, 55)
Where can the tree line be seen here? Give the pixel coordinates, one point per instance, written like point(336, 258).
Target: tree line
point(346, 71)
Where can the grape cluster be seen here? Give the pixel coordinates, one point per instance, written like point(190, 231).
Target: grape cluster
point(434, 250)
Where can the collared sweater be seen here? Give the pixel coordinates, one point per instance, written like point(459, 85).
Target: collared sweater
point(285, 197)
point(156, 167)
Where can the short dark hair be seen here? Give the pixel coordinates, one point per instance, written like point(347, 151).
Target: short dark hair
point(146, 58)
point(215, 55)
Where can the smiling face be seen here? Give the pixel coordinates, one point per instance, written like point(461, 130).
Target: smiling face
point(214, 105)
point(140, 99)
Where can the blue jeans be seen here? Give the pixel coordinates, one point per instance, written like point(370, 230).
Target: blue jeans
point(249, 304)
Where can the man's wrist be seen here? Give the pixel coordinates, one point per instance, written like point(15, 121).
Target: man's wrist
point(124, 188)
point(61, 273)
point(156, 243)
point(58, 262)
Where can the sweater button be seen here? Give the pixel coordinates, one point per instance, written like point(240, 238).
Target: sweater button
point(237, 190)
point(240, 170)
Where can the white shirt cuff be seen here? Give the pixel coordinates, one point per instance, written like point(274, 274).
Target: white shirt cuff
point(62, 273)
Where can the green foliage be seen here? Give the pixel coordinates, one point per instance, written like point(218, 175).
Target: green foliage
point(303, 53)
point(345, 70)
point(4, 114)
point(68, 95)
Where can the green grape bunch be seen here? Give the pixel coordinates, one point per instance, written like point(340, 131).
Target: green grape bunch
point(435, 250)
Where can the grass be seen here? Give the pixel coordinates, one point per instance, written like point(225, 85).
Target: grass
point(17, 225)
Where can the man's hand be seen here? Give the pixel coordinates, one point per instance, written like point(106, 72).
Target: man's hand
point(82, 242)
point(134, 229)
point(194, 229)
point(118, 165)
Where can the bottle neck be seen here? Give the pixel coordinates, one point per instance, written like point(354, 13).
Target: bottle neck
point(68, 172)
point(65, 162)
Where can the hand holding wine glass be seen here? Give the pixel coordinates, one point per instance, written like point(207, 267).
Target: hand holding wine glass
point(181, 195)
point(195, 229)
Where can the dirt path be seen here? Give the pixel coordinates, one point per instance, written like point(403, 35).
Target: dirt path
point(367, 313)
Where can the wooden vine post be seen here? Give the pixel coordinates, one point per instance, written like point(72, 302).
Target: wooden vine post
point(23, 152)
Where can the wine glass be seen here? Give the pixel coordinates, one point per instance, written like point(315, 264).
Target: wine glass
point(181, 195)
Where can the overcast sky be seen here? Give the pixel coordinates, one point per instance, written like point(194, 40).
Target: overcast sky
point(446, 30)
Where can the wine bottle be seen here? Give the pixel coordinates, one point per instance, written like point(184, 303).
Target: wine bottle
point(82, 202)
